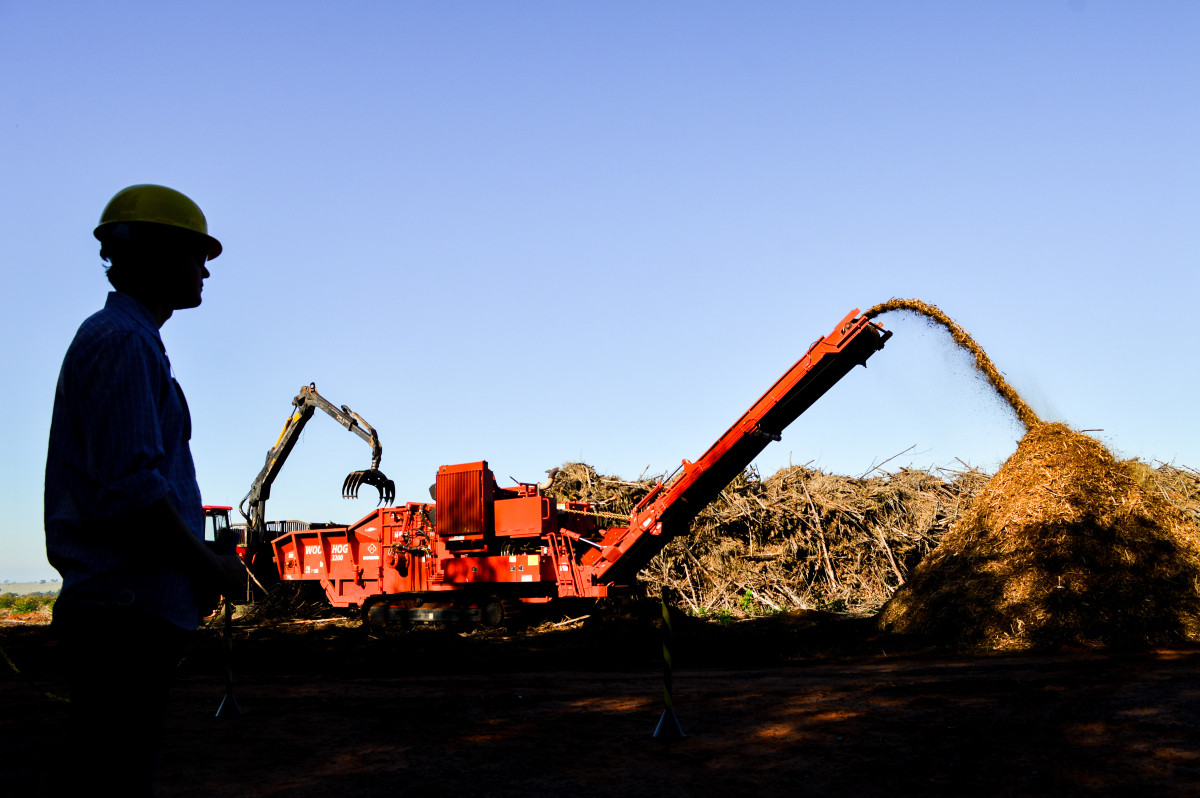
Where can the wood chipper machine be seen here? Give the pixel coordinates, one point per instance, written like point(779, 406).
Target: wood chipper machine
point(480, 551)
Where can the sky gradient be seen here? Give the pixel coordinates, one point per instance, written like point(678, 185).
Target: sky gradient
point(535, 232)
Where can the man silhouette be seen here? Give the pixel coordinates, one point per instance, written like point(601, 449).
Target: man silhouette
point(123, 515)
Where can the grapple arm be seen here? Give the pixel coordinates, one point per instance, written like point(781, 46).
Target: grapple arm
point(305, 403)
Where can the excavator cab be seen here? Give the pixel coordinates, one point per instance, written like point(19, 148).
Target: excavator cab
point(219, 534)
point(216, 522)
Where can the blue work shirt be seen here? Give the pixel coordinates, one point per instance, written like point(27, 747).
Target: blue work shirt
point(118, 443)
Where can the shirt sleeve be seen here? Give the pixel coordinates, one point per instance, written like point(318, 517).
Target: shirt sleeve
point(116, 398)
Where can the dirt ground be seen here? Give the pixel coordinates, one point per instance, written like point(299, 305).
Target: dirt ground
point(778, 706)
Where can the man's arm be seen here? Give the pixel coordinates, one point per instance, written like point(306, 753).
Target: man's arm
point(224, 574)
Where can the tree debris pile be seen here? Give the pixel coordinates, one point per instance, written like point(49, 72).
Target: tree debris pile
point(287, 601)
point(800, 539)
point(581, 483)
point(1064, 545)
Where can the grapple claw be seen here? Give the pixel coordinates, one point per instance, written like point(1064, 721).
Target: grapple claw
point(373, 477)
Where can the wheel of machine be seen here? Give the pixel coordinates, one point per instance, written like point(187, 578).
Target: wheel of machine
point(383, 615)
point(373, 614)
point(492, 613)
point(364, 614)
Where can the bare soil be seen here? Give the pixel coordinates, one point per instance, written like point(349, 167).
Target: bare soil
point(796, 703)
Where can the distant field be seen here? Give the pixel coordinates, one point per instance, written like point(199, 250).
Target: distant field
point(25, 588)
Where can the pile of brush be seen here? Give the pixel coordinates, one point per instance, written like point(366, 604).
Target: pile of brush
point(287, 601)
point(800, 539)
point(609, 495)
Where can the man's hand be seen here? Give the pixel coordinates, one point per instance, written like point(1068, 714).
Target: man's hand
point(229, 576)
point(212, 573)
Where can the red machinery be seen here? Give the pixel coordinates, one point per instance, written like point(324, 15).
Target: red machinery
point(481, 550)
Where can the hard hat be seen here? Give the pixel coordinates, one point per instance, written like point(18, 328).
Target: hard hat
point(157, 204)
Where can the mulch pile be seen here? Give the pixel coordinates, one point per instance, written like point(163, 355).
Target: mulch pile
point(1064, 545)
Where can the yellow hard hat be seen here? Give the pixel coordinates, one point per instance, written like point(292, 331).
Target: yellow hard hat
point(157, 204)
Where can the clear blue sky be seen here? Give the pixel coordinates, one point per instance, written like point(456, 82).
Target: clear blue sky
point(532, 232)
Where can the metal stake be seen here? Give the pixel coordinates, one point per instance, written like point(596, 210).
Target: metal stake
point(668, 725)
point(229, 706)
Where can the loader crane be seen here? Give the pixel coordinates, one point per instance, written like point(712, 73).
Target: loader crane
point(253, 506)
point(480, 551)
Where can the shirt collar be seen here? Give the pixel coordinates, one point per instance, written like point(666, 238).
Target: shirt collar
point(124, 303)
